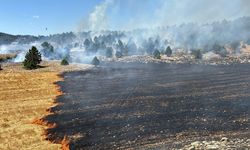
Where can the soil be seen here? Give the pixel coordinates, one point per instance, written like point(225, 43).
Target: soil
point(151, 106)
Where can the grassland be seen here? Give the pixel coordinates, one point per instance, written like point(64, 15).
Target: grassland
point(24, 97)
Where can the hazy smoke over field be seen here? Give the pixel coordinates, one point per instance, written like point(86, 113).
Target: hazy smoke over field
point(140, 27)
point(113, 15)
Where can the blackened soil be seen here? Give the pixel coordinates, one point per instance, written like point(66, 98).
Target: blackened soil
point(133, 105)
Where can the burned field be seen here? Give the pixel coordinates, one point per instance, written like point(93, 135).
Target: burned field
point(140, 105)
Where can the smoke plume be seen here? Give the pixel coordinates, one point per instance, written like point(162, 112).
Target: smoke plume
point(130, 14)
point(98, 19)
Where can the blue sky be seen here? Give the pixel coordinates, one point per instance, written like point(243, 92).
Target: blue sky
point(34, 16)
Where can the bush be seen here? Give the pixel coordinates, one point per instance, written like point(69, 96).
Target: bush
point(48, 46)
point(197, 54)
point(109, 52)
point(1, 67)
point(95, 61)
point(32, 58)
point(64, 62)
point(118, 54)
point(157, 54)
point(47, 50)
point(168, 51)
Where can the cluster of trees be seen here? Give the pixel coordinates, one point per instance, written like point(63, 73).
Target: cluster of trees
point(168, 52)
point(33, 57)
point(106, 47)
point(116, 47)
point(195, 36)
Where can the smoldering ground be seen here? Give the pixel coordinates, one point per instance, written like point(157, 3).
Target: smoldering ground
point(132, 105)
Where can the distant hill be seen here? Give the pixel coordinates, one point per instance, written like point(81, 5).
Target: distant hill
point(8, 38)
point(190, 36)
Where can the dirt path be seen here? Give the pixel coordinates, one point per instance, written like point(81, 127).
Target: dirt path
point(24, 97)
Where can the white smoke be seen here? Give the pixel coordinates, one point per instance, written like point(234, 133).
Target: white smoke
point(17, 48)
point(98, 18)
point(159, 20)
point(200, 11)
point(131, 14)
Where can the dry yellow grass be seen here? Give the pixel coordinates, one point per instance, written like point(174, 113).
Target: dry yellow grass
point(24, 97)
point(4, 57)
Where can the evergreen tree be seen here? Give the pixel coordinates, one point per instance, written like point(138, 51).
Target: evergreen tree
point(64, 61)
point(32, 58)
point(168, 51)
point(47, 49)
point(157, 54)
point(95, 61)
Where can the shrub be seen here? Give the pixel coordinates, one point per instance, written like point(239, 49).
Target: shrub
point(157, 54)
point(109, 52)
point(64, 62)
point(95, 61)
point(32, 58)
point(48, 49)
point(118, 54)
point(168, 51)
point(1, 67)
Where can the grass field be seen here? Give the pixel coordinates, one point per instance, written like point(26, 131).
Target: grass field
point(24, 97)
point(4, 57)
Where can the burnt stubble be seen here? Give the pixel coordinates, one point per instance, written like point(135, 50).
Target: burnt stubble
point(120, 106)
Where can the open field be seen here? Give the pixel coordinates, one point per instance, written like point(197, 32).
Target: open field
point(24, 97)
point(152, 106)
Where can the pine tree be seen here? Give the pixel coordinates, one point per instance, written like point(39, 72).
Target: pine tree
point(95, 61)
point(157, 54)
point(32, 58)
point(168, 51)
point(64, 61)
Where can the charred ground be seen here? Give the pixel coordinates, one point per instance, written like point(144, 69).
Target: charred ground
point(135, 105)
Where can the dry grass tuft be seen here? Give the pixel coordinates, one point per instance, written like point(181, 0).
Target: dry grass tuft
point(4, 57)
